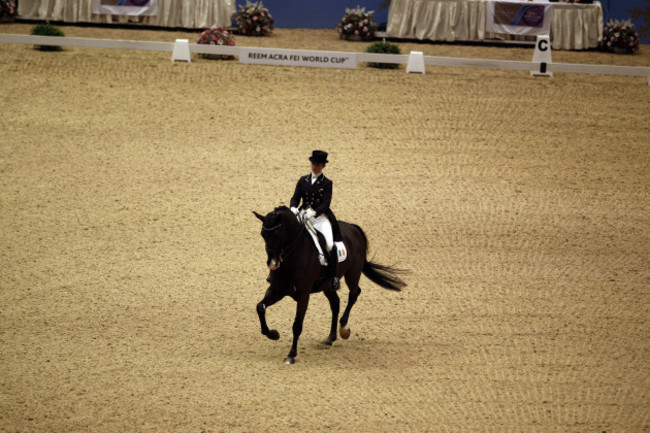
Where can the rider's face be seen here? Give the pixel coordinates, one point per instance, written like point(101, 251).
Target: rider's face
point(317, 168)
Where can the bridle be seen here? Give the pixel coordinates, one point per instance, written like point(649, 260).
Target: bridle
point(285, 250)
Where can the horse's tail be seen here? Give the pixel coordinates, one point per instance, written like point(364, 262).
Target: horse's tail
point(382, 275)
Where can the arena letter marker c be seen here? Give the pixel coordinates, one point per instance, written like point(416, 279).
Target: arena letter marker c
point(542, 56)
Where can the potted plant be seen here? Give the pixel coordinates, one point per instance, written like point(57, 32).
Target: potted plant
point(357, 25)
point(383, 48)
point(47, 29)
point(253, 19)
point(7, 10)
point(620, 37)
point(216, 35)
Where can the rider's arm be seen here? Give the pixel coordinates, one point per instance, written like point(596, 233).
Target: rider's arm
point(297, 195)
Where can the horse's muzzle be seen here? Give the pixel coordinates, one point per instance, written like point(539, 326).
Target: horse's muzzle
point(273, 264)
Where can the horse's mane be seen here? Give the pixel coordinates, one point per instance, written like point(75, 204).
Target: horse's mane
point(278, 215)
point(284, 214)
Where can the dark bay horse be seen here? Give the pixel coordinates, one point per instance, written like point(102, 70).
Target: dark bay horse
point(296, 271)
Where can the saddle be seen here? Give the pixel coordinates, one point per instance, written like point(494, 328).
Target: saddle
point(341, 250)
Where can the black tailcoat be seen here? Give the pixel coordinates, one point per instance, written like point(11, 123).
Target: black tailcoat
point(318, 196)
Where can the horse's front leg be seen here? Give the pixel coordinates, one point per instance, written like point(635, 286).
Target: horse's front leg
point(270, 298)
point(301, 309)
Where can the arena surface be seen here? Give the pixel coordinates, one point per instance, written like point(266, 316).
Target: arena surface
point(131, 262)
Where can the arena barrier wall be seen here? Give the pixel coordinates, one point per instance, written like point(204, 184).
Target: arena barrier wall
point(355, 57)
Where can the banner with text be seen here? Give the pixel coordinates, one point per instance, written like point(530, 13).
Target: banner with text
point(314, 59)
point(125, 7)
point(518, 18)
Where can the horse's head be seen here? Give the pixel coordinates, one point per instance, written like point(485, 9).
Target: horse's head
point(276, 228)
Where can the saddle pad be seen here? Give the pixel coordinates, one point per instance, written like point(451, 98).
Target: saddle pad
point(342, 251)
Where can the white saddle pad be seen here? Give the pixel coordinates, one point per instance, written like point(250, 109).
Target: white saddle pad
point(342, 251)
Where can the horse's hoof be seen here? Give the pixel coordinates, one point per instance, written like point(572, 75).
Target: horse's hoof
point(327, 342)
point(345, 332)
point(273, 334)
point(289, 360)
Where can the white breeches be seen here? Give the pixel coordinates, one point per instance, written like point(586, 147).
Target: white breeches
point(323, 225)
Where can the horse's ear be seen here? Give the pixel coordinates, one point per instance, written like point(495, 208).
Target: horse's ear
point(260, 217)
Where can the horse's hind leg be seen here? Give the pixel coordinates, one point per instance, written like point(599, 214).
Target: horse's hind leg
point(355, 291)
point(335, 305)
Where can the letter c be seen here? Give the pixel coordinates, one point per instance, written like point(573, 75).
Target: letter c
point(543, 45)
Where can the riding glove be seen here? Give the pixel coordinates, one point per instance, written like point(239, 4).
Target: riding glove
point(309, 214)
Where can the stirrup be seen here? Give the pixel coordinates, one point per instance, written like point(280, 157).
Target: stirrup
point(335, 283)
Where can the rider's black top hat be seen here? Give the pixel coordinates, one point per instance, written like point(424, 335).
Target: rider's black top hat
point(318, 157)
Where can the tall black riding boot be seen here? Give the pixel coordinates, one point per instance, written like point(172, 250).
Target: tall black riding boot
point(333, 268)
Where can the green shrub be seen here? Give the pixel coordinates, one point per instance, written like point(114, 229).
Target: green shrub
point(46, 29)
point(383, 48)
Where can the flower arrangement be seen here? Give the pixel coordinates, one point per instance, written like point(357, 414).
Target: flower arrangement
point(357, 24)
point(7, 9)
point(620, 37)
point(216, 36)
point(254, 19)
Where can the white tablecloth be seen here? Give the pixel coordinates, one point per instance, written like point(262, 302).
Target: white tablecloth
point(191, 14)
point(573, 27)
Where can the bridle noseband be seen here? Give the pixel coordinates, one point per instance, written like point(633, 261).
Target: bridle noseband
point(272, 252)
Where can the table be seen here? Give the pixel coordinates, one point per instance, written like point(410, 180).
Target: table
point(573, 27)
point(171, 13)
